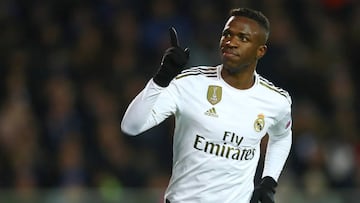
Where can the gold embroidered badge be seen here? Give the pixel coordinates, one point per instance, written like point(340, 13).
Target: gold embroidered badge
point(214, 94)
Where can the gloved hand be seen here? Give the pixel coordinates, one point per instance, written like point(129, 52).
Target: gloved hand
point(173, 61)
point(264, 192)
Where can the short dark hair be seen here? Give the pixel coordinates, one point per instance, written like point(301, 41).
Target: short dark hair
point(258, 16)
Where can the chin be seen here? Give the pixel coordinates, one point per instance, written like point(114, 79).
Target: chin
point(228, 65)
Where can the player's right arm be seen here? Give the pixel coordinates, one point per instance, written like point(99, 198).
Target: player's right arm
point(154, 103)
point(149, 108)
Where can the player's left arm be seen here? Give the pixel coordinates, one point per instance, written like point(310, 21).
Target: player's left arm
point(278, 147)
point(277, 151)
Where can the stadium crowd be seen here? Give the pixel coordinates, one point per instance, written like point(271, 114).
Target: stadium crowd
point(69, 68)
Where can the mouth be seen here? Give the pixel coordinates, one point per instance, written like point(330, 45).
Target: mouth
point(228, 53)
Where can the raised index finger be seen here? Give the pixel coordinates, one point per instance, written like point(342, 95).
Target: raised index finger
point(173, 37)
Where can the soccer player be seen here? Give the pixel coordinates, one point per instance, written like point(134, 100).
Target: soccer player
point(221, 115)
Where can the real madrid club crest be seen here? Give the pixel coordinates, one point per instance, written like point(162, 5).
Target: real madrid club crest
point(259, 123)
point(214, 94)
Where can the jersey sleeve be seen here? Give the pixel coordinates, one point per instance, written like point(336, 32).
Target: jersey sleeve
point(149, 108)
point(278, 147)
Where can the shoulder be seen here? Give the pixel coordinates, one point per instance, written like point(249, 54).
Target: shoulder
point(202, 71)
point(192, 80)
point(273, 90)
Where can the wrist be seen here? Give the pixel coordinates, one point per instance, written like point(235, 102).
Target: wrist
point(163, 77)
point(268, 182)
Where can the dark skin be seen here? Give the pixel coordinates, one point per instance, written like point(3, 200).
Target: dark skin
point(242, 44)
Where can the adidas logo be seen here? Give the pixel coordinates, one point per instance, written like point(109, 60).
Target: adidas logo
point(211, 112)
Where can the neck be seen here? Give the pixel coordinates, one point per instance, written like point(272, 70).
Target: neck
point(240, 79)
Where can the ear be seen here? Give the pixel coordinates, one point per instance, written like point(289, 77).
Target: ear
point(261, 51)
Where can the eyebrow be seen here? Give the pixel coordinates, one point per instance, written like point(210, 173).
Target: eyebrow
point(240, 33)
point(244, 34)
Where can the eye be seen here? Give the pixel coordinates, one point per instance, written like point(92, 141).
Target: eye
point(226, 33)
point(243, 39)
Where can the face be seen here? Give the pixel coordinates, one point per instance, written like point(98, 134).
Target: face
point(242, 44)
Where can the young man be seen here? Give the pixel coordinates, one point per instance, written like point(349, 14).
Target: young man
point(221, 115)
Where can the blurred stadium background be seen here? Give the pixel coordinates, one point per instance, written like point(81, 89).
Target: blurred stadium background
point(69, 68)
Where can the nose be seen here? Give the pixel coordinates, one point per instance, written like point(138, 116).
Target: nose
point(230, 42)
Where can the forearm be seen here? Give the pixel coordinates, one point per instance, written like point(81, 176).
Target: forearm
point(139, 114)
point(277, 152)
point(144, 112)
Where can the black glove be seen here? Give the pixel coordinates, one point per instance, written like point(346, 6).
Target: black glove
point(173, 61)
point(264, 192)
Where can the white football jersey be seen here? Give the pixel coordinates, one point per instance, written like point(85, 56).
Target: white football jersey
point(218, 129)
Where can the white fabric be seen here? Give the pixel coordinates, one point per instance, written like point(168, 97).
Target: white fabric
point(216, 146)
